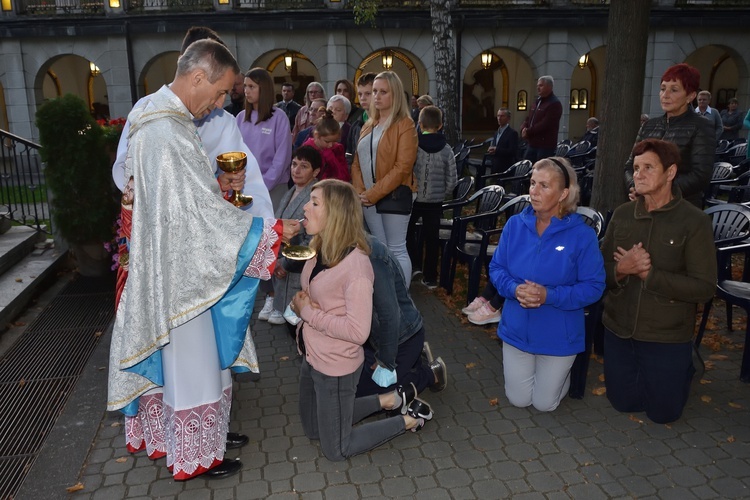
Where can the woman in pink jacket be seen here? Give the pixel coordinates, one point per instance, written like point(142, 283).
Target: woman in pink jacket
point(335, 305)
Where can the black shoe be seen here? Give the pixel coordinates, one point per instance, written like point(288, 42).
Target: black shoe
point(407, 393)
point(226, 468)
point(419, 409)
point(235, 440)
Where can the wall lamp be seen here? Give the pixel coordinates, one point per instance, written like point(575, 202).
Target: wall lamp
point(94, 69)
point(288, 60)
point(387, 60)
point(7, 5)
point(487, 59)
point(583, 61)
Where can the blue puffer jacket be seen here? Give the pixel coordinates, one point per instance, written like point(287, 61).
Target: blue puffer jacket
point(567, 261)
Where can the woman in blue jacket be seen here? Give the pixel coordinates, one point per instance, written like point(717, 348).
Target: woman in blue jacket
point(548, 267)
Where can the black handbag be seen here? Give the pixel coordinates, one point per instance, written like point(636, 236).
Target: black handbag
point(398, 201)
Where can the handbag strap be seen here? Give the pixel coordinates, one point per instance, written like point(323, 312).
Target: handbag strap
point(372, 158)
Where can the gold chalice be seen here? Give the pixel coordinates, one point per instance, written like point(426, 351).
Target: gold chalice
point(232, 162)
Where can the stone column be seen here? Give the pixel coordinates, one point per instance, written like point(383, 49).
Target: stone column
point(19, 90)
point(336, 66)
point(561, 58)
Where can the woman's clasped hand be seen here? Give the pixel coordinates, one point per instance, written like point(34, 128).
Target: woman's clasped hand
point(530, 294)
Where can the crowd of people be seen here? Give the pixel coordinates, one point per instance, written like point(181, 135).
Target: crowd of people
point(352, 182)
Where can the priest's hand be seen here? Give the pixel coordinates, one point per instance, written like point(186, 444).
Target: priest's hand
point(291, 229)
point(232, 181)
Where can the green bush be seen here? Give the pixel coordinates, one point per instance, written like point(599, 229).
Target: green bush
point(77, 171)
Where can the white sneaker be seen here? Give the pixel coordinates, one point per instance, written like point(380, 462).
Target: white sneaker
point(475, 304)
point(267, 309)
point(485, 315)
point(276, 318)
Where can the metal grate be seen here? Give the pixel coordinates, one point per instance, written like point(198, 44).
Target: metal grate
point(40, 371)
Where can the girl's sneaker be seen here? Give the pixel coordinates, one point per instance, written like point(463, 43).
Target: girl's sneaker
point(265, 313)
point(475, 304)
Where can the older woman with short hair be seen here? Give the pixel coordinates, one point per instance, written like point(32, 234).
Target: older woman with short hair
point(548, 267)
point(345, 88)
point(341, 106)
point(692, 133)
point(658, 255)
point(305, 116)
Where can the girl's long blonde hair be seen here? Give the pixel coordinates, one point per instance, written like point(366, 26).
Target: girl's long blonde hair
point(344, 226)
point(400, 108)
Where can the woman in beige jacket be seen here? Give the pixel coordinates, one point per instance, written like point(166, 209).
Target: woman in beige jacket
point(384, 160)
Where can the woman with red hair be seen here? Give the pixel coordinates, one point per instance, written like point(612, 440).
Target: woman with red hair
point(689, 131)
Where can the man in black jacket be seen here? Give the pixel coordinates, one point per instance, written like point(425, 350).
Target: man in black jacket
point(505, 143)
point(543, 123)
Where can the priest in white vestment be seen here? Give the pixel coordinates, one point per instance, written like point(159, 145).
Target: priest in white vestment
point(195, 261)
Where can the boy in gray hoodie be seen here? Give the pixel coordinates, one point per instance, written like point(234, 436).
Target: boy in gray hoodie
point(435, 173)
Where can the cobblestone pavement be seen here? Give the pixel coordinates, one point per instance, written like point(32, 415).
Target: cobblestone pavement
point(477, 446)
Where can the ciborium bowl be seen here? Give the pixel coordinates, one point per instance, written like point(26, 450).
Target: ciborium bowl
point(296, 256)
point(232, 162)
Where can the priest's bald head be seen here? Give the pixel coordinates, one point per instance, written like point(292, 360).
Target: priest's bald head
point(205, 75)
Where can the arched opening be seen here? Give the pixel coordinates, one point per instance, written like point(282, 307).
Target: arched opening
point(300, 72)
point(73, 74)
point(157, 72)
point(399, 62)
point(585, 91)
point(497, 77)
point(722, 71)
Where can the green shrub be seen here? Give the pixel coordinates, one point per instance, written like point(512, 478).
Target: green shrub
point(77, 171)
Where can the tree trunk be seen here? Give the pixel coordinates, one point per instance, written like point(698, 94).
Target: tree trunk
point(624, 73)
point(443, 38)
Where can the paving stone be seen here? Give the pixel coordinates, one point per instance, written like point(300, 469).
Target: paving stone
point(545, 481)
point(734, 467)
point(252, 489)
point(587, 491)
point(341, 492)
point(113, 479)
point(686, 476)
point(165, 486)
point(371, 490)
point(397, 487)
point(109, 492)
point(197, 494)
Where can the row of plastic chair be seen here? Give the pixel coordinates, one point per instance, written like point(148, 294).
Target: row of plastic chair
point(731, 225)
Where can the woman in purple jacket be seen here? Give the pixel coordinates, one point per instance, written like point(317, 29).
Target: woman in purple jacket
point(265, 130)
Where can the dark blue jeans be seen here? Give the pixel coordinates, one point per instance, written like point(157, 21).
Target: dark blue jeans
point(410, 367)
point(648, 376)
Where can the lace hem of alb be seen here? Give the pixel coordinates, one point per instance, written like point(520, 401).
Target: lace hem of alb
point(198, 436)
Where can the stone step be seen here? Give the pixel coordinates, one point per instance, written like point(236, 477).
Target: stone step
point(15, 244)
point(23, 280)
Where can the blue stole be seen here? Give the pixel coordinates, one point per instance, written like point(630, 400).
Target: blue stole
point(230, 317)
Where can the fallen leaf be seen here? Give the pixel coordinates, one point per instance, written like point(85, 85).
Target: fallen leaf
point(667, 426)
point(718, 357)
point(731, 439)
point(706, 398)
point(635, 419)
point(115, 424)
point(469, 366)
point(493, 402)
point(703, 381)
point(74, 488)
point(19, 280)
point(709, 365)
point(599, 391)
point(601, 377)
point(21, 383)
point(98, 334)
point(19, 323)
point(735, 405)
point(121, 460)
point(284, 358)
